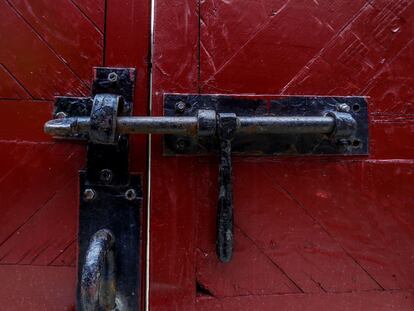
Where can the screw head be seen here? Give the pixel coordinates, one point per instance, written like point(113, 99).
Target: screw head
point(343, 108)
point(112, 77)
point(180, 144)
point(89, 194)
point(106, 175)
point(60, 115)
point(130, 195)
point(180, 106)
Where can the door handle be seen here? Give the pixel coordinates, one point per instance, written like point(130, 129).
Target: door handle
point(193, 124)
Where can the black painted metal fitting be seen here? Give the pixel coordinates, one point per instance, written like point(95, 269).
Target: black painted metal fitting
point(206, 123)
point(98, 282)
point(103, 118)
point(345, 124)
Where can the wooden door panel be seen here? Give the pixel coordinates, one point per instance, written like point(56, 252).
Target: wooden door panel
point(48, 49)
point(308, 231)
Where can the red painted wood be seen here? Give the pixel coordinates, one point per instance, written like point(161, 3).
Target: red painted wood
point(24, 120)
point(37, 288)
point(11, 88)
point(174, 180)
point(49, 49)
point(38, 200)
point(32, 60)
point(94, 10)
point(71, 30)
point(374, 300)
point(308, 230)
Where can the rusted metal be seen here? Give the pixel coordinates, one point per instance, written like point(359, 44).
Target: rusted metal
point(211, 122)
point(102, 123)
point(98, 281)
point(187, 126)
point(276, 125)
point(227, 126)
point(110, 204)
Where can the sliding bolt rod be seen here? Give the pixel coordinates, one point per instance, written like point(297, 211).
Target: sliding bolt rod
point(188, 126)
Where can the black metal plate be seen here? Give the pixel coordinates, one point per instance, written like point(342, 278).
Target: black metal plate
point(111, 210)
point(124, 85)
point(82, 106)
point(255, 105)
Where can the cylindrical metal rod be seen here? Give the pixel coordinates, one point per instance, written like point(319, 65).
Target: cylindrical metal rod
point(286, 125)
point(188, 126)
point(157, 125)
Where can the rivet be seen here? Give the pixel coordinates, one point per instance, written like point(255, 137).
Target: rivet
point(89, 194)
point(180, 144)
point(112, 77)
point(130, 195)
point(180, 106)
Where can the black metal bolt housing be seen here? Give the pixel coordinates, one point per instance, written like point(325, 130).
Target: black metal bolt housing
point(106, 176)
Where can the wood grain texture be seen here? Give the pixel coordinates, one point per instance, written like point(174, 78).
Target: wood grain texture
point(172, 258)
point(311, 233)
point(48, 48)
point(38, 288)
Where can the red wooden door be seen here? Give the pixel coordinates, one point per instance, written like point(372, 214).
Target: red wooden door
point(48, 48)
point(310, 233)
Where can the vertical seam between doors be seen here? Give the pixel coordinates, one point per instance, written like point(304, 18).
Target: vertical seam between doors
point(149, 162)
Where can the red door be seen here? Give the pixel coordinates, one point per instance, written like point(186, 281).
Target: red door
point(314, 233)
point(310, 233)
point(48, 48)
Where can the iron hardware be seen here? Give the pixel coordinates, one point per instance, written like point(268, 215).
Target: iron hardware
point(98, 282)
point(204, 124)
point(198, 124)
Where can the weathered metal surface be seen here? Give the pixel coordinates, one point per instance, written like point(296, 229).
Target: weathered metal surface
point(98, 286)
point(204, 124)
point(111, 209)
point(110, 201)
point(227, 126)
point(102, 127)
point(305, 125)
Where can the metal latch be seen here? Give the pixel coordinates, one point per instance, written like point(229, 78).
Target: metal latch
point(200, 124)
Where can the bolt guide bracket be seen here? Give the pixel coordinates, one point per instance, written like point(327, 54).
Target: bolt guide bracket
point(245, 125)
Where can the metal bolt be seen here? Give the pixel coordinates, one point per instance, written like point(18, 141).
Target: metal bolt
point(89, 194)
point(343, 108)
point(130, 195)
point(60, 115)
point(180, 106)
point(106, 175)
point(180, 144)
point(112, 77)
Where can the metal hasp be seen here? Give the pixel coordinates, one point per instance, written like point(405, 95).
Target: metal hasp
point(110, 201)
point(243, 125)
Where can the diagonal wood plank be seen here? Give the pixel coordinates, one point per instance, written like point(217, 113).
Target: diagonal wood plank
point(67, 31)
